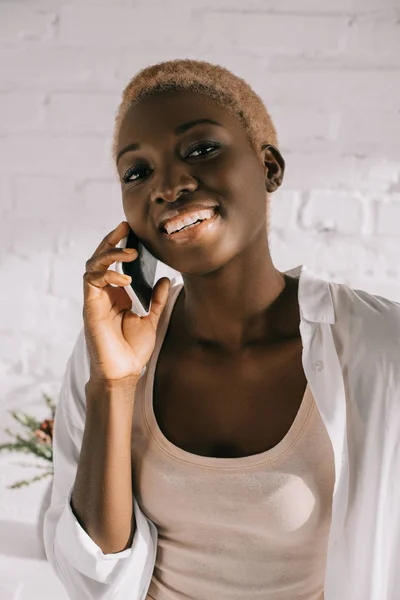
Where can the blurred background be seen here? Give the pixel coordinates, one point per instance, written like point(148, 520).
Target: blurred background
point(329, 73)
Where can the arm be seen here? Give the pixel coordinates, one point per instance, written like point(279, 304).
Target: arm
point(80, 563)
point(102, 498)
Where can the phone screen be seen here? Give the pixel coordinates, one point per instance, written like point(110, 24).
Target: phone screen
point(142, 270)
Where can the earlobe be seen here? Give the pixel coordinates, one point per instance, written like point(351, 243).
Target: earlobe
point(272, 183)
point(274, 167)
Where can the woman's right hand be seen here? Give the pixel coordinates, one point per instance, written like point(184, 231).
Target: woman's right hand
point(120, 343)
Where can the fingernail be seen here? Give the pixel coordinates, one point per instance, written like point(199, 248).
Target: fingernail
point(129, 250)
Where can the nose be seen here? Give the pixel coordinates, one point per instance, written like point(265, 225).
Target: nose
point(171, 183)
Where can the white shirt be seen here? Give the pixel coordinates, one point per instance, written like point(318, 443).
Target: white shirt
point(351, 359)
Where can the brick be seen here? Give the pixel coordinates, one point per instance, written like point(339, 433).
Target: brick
point(128, 26)
point(42, 315)
point(103, 201)
point(20, 111)
point(361, 130)
point(58, 353)
point(46, 198)
point(43, 154)
point(16, 391)
point(70, 218)
point(80, 240)
point(19, 274)
point(66, 277)
point(23, 22)
point(342, 6)
point(332, 88)
point(338, 212)
point(6, 195)
point(388, 217)
point(60, 68)
point(82, 112)
point(383, 174)
point(305, 128)
point(175, 5)
point(347, 259)
point(333, 171)
point(275, 33)
point(242, 62)
point(25, 237)
point(339, 256)
point(40, 357)
point(374, 39)
point(380, 256)
point(343, 259)
point(284, 209)
point(12, 351)
point(117, 3)
point(291, 248)
point(81, 230)
point(306, 6)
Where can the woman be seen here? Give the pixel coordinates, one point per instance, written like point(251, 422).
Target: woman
point(243, 439)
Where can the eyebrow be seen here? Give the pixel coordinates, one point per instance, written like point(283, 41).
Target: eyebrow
point(179, 130)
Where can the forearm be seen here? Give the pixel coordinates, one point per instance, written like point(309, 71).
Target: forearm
point(102, 493)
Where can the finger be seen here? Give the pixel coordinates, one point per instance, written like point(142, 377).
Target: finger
point(105, 259)
point(121, 302)
point(158, 300)
point(113, 238)
point(95, 281)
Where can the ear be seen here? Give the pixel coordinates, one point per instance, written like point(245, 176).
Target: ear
point(275, 167)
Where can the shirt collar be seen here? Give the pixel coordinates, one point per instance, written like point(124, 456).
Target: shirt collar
point(315, 297)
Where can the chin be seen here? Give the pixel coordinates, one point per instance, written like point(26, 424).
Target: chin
point(204, 263)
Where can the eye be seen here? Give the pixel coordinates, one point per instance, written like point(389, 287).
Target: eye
point(133, 171)
point(203, 147)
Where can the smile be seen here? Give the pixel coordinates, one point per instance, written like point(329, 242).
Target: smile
point(192, 231)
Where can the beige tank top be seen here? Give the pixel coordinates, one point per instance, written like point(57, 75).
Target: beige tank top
point(254, 527)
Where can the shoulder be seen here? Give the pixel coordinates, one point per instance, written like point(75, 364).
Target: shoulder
point(370, 308)
point(368, 325)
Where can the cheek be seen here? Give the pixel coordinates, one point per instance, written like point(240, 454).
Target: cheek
point(137, 214)
point(244, 177)
point(132, 206)
point(132, 215)
point(227, 176)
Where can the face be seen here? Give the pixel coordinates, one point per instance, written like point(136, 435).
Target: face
point(168, 161)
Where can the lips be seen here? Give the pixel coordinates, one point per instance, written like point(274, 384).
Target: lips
point(187, 210)
point(195, 233)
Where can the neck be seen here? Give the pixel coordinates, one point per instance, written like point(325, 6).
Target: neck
point(240, 305)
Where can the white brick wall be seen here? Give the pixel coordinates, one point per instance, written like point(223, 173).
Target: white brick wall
point(329, 71)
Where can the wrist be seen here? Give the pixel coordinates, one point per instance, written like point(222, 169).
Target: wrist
point(121, 391)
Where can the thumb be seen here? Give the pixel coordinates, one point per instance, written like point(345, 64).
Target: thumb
point(159, 300)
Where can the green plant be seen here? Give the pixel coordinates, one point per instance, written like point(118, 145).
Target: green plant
point(38, 441)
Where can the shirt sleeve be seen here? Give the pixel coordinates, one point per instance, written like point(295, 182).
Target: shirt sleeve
point(87, 573)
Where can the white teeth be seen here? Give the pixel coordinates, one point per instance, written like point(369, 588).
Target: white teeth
point(176, 224)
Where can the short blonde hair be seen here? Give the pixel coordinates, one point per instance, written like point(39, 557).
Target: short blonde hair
point(228, 90)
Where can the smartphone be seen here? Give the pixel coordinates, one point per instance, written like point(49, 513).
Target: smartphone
point(145, 271)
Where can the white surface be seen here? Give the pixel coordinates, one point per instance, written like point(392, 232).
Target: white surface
point(24, 569)
point(35, 577)
point(10, 591)
point(22, 560)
